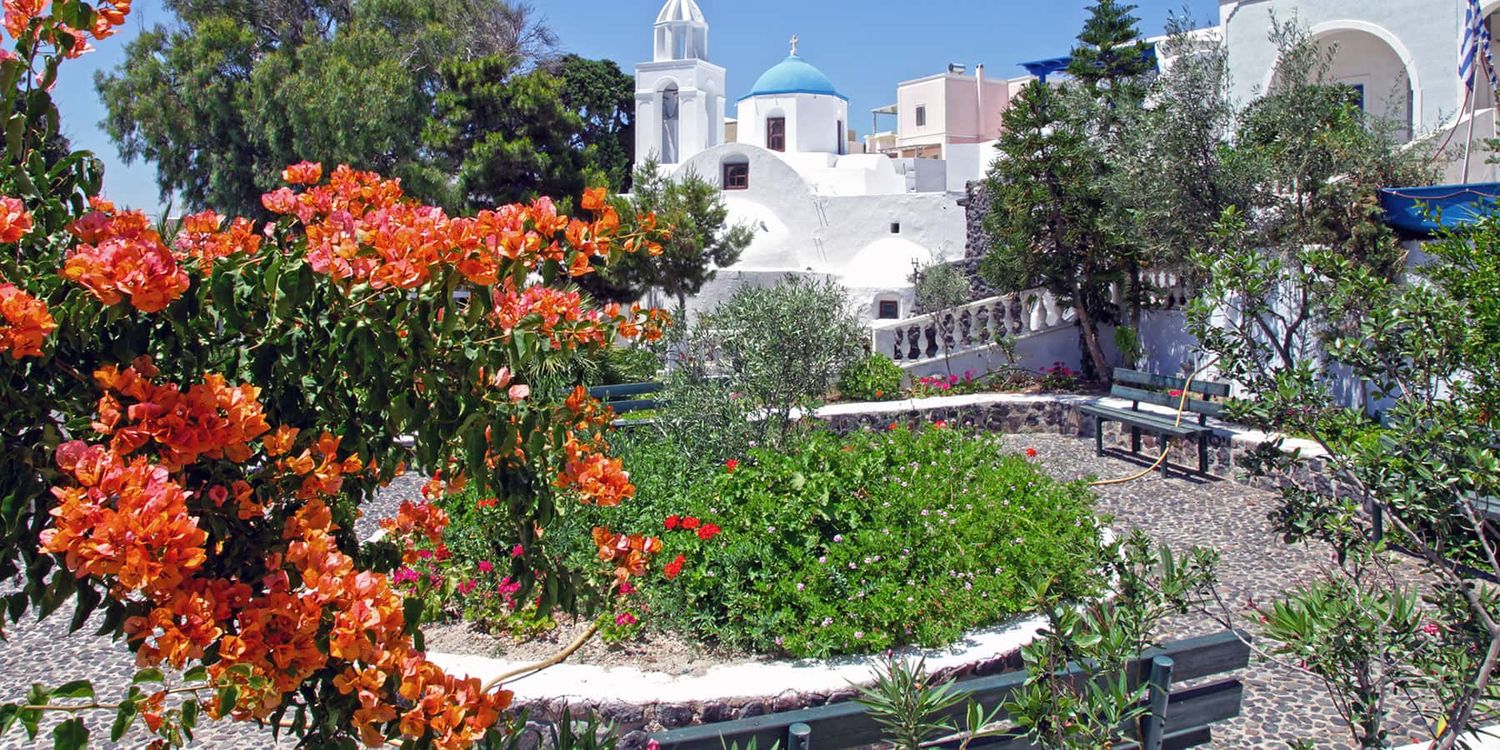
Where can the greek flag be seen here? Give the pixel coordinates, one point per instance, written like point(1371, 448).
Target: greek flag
point(1476, 43)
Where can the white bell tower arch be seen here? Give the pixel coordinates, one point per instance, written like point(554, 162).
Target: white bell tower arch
point(679, 95)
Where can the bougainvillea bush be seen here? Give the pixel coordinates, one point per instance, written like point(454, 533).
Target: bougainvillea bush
point(194, 414)
point(848, 545)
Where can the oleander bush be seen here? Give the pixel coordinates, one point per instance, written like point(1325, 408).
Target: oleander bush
point(873, 378)
point(845, 545)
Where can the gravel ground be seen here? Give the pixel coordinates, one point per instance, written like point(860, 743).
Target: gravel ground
point(1280, 705)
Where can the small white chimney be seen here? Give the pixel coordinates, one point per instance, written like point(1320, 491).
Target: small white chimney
point(979, 74)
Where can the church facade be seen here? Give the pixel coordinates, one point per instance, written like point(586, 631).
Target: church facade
point(820, 207)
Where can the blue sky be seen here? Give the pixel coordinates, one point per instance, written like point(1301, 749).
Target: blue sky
point(865, 48)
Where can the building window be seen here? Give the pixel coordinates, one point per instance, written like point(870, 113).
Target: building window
point(895, 227)
point(737, 176)
point(889, 310)
point(1359, 96)
point(921, 117)
point(776, 133)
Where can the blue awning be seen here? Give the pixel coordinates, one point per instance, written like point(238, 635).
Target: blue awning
point(1043, 68)
point(1424, 211)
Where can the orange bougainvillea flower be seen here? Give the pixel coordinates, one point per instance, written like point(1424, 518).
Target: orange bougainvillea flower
point(15, 221)
point(121, 256)
point(20, 13)
point(211, 419)
point(200, 237)
point(593, 199)
point(27, 323)
point(304, 173)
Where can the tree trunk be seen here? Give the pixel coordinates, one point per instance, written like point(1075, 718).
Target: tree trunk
point(1090, 335)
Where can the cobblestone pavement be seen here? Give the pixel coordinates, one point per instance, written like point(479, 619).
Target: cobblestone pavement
point(44, 652)
point(1281, 704)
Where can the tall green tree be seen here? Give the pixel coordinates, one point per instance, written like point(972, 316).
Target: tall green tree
point(231, 93)
point(603, 96)
point(1047, 221)
point(503, 134)
point(702, 239)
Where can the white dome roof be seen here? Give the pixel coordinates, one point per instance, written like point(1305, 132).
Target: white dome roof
point(885, 264)
point(678, 11)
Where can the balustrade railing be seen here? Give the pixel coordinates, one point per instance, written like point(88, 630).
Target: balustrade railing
point(975, 325)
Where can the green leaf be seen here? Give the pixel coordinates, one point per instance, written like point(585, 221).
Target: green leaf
point(124, 717)
point(228, 697)
point(190, 714)
point(70, 735)
point(74, 689)
point(150, 674)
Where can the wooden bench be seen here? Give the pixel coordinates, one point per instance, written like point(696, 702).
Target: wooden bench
point(1176, 719)
point(1144, 387)
point(628, 397)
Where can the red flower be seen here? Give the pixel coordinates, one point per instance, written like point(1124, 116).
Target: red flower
point(690, 523)
point(1031, 453)
point(673, 522)
point(709, 531)
point(1176, 393)
point(674, 568)
point(517, 551)
point(732, 464)
point(892, 427)
point(487, 503)
point(940, 424)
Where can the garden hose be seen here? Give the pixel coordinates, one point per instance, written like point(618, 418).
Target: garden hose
point(1166, 445)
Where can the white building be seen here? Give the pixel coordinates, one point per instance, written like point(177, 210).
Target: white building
point(818, 208)
point(1402, 55)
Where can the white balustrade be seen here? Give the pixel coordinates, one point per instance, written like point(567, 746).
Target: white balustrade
point(973, 326)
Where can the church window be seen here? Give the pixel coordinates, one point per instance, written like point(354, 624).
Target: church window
point(776, 133)
point(839, 137)
point(889, 309)
point(737, 176)
point(670, 127)
point(921, 117)
point(895, 227)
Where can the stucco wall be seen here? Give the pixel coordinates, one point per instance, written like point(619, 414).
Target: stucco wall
point(700, 87)
point(811, 121)
point(1424, 33)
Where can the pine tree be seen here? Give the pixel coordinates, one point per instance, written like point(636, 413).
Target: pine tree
point(1046, 219)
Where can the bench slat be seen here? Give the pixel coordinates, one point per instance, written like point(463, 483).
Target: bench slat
point(1194, 406)
point(608, 392)
point(1146, 420)
point(1189, 711)
point(1152, 380)
point(640, 404)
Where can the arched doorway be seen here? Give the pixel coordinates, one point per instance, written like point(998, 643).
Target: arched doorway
point(1375, 63)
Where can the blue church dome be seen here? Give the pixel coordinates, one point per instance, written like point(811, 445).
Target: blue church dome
point(793, 76)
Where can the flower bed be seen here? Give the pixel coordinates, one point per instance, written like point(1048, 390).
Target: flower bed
point(841, 545)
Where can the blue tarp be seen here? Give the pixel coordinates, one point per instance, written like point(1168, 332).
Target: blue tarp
point(1422, 211)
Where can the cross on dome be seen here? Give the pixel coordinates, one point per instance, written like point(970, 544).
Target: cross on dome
point(795, 40)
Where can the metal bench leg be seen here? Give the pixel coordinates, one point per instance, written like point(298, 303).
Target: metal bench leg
point(1135, 440)
point(1203, 454)
point(1098, 436)
point(1166, 461)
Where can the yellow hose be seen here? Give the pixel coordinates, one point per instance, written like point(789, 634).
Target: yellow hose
point(1166, 444)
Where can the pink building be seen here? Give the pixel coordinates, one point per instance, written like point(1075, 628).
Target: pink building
point(939, 111)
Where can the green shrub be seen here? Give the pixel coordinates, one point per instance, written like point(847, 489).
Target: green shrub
point(874, 378)
point(632, 364)
point(856, 544)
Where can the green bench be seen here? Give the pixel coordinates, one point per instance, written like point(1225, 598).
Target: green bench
point(1144, 387)
point(628, 397)
point(1179, 715)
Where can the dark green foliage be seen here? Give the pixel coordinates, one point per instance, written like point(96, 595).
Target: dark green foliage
point(874, 378)
point(501, 134)
point(702, 240)
point(604, 97)
point(857, 544)
point(1048, 213)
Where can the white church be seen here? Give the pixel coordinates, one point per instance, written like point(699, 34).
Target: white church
point(790, 169)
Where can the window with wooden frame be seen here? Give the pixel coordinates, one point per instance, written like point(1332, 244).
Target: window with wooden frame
point(776, 133)
point(736, 176)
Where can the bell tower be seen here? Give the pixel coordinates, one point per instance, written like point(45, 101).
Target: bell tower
point(679, 95)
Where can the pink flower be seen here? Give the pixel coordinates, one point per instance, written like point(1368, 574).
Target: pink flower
point(626, 589)
point(517, 551)
point(425, 554)
point(467, 587)
point(404, 575)
point(519, 391)
point(625, 618)
point(1430, 629)
point(485, 566)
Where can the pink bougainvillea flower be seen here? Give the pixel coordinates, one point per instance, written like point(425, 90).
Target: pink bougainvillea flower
point(485, 566)
point(467, 587)
point(517, 551)
point(624, 619)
